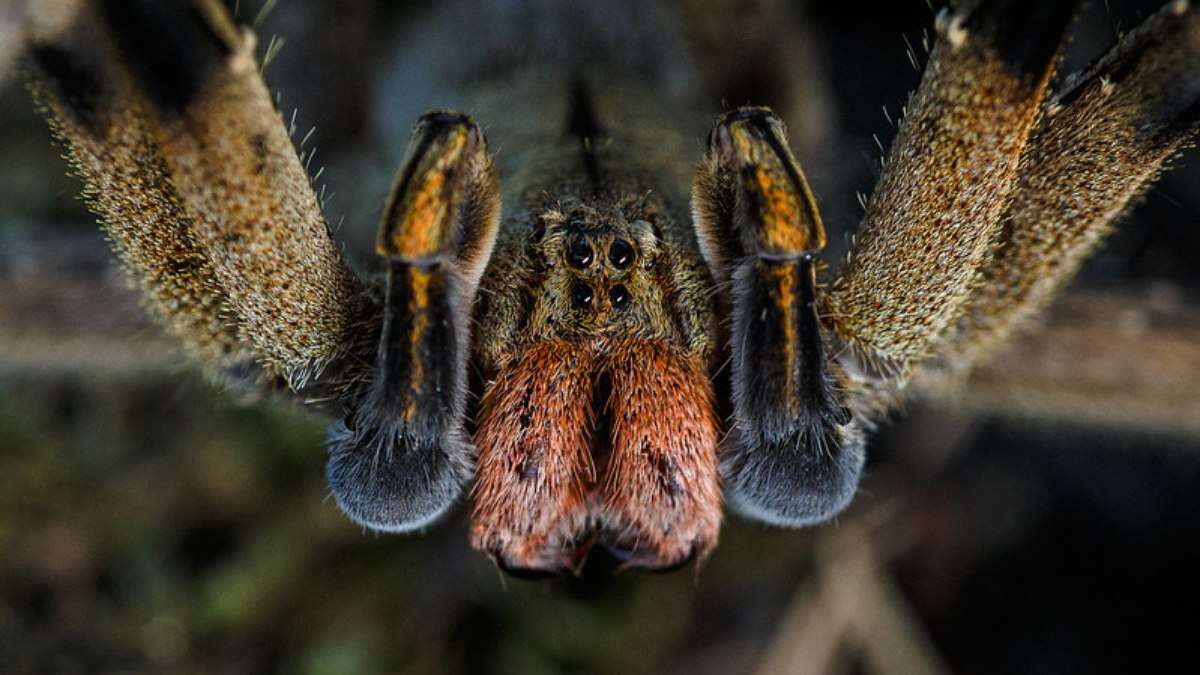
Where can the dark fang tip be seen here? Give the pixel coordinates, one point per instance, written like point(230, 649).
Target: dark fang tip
point(630, 557)
point(525, 573)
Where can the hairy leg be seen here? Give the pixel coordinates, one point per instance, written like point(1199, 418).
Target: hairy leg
point(94, 107)
point(401, 457)
point(935, 212)
point(195, 173)
point(1101, 142)
point(229, 156)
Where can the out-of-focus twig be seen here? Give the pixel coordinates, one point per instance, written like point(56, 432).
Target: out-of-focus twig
point(1113, 360)
point(65, 308)
point(850, 605)
point(1127, 360)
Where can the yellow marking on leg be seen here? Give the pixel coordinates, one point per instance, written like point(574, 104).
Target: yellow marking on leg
point(419, 281)
point(420, 227)
point(788, 220)
point(785, 300)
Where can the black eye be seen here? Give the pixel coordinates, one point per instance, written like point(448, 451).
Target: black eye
point(581, 295)
point(620, 254)
point(619, 296)
point(579, 254)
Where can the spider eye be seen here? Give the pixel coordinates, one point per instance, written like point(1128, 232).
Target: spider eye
point(579, 254)
point(620, 254)
point(619, 296)
point(581, 295)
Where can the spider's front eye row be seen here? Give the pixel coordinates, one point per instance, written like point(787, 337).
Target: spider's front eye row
point(582, 296)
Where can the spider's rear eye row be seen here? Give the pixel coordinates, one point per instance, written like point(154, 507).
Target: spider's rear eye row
point(580, 254)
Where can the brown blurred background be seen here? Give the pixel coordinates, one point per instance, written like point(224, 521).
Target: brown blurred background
point(150, 523)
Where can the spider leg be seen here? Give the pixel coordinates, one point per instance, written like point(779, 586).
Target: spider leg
point(1101, 142)
point(217, 196)
point(230, 157)
point(95, 109)
point(935, 212)
point(400, 459)
point(794, 453)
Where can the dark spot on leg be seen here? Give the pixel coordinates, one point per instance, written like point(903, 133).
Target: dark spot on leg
point(182, 265)
point(531, 465)
point(259, 144)
point(170, 46)
point(71, 80)
point(526, 417)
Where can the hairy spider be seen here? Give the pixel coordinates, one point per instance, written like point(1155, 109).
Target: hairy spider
point(593, 315)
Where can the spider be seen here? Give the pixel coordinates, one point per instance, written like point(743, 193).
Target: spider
point(641, 334)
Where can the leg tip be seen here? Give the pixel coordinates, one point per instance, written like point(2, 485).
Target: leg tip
point(400, 486)
point(794, 482)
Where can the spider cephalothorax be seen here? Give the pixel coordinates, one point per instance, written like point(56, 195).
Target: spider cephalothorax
point(599, 362)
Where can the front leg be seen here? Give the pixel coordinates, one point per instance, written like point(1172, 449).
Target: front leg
point(401, 457)
point(794, 453)
point(935, 214)
point(1103, 141)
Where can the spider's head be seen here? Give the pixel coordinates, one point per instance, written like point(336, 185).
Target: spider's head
point(600, 262)
point(598, 428)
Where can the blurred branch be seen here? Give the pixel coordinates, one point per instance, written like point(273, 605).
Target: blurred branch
point(1126, 360)
point(851, 606)
point(65, 309)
